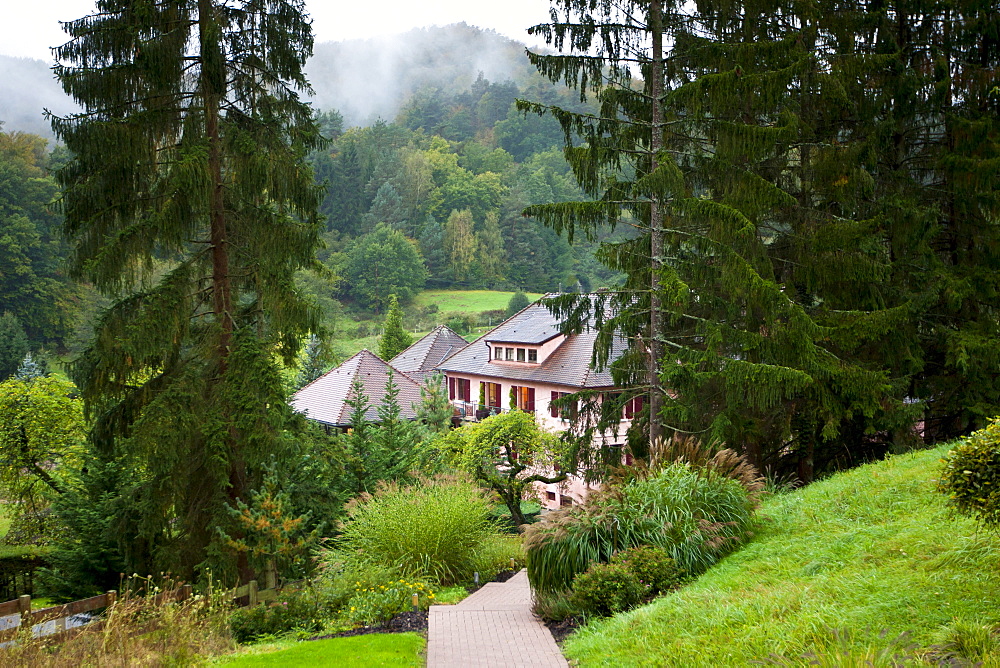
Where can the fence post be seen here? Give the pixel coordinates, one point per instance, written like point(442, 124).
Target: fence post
point(111, 596)
point(253, 592)
point(24, 608)
point(185, 593)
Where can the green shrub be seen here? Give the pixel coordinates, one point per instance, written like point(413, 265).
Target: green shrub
point(697, 516)
point(378, 603)
point(433, 528)
point(605, 589)
point(289, 612)
point(971, 476)
point(653, 566)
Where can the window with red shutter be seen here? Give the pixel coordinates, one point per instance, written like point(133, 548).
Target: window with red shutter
point(451, 389)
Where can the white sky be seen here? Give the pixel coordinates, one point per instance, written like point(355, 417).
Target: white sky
point(29, 27)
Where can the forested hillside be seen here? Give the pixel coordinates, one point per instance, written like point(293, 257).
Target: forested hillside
point(427, 191)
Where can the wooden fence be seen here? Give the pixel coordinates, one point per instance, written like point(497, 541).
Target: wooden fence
point(52, 622)
point(40, 620)
point(250, 594)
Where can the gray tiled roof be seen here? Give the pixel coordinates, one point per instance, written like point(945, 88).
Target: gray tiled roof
point(423, 357)
point(325, 399)
point(568, 365)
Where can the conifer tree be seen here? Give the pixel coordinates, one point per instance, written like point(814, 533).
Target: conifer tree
point(190, 151)
point(13, 344)
point(923, 108)
point(394, 339)
point(752, 288)
point(395, 438)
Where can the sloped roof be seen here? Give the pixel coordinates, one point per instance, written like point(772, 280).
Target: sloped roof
point(423, 357)
point(568, 365)
point(325, 399)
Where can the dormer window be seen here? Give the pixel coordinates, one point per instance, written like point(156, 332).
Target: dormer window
point(502, 353)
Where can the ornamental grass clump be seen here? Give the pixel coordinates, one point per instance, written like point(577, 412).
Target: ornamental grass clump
point(696, 515)
point(435, 528)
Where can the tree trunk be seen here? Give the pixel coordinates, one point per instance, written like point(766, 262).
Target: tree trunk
point(656, 328)
point(213, 84)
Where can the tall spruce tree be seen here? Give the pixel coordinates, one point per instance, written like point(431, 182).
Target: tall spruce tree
point(923, 108)
point(755, 286)
point(188, 201)
point(394, 339)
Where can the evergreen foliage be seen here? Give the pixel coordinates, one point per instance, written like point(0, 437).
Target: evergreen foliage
point(30, 369)
point(13, 344)
point(518, 301)
point(435, 410)
point(317, 362)
point(190, 150)
point(790, 280)
point(395, 439)
point(379, 452)
point(394, 339)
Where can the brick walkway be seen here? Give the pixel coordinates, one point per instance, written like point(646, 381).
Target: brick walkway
point(493, 628)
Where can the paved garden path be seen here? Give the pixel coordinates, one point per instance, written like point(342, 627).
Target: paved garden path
point(493, 628)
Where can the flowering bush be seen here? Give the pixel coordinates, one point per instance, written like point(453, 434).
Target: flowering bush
point(378, 603)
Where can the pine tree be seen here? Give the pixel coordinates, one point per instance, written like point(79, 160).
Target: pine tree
point(30, 369)
point(753, 290)
point(13, 344)
point(190, 150)
point(357, 440)
point(394, 339)
point(318, 361)
point(395, 439)
point(435, 411)
point(924, 117)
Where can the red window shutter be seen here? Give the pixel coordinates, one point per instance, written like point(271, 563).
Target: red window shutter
point(553, 411)
point(530, 404)
point(468, 390)
point(451, 388)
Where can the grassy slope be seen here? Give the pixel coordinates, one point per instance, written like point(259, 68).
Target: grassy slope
point(377, 649)
point(467, 301)
point(865, 551)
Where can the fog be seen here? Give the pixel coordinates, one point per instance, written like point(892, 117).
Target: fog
point(363, 79)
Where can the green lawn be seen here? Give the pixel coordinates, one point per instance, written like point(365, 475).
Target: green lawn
point(842, 567)
point(467, 301)
point(376, 649)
